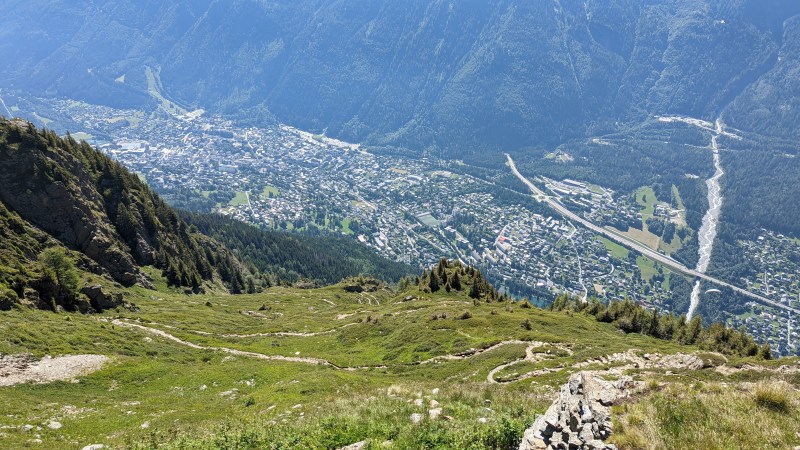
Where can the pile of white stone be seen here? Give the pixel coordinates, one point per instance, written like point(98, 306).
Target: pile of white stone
point(580, 418)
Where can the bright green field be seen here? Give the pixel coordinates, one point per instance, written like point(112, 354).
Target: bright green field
point(616, 250)
point(346, 225)
point(646, 198)
point(646, 267)
point(239, 200)
point(270, 190)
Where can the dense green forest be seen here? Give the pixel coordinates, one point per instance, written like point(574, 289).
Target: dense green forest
point(292, 257)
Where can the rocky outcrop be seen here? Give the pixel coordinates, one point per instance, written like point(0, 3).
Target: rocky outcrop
point(101, 300)
point(652, 361)
point(580, 418)
point(53, 191)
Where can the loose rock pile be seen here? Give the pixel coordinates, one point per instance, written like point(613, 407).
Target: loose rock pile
point(580, 418)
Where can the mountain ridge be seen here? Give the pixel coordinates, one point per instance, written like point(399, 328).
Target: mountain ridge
point(429, 77)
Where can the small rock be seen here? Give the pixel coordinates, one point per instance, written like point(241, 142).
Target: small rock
point(596, 444)
point(54, 425)
point(418, 402)
point(416, 418)
point(435, 391)
point(231, 393)
point(482, 420)
point(94, 447)
point(434, 413)
point(434, 403)
point(203, 387)
point(586, 414)
point(26, 427)
point(587, 434)
point(538, 443)
point(573, 424)
point(357, 446)
point(146, 425)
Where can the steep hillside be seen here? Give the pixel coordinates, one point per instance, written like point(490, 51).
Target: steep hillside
point(58, 193)
point(292, 257)
point(406, 369)
point(94, 206)
point(422, 75)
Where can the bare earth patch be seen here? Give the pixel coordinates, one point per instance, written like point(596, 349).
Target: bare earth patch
point(17, 369)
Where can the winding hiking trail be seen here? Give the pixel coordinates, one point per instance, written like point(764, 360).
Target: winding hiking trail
point(281, 333)
point(165, 335)
point(629, 360)
point(318, 361)
point(530, 357)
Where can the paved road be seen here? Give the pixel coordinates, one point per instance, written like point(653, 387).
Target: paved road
point(636, 246)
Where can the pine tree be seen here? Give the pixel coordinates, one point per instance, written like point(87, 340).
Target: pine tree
point(474, 291)
point(434, 282)
point(62, 268)
point(455, 282)
point(441, 268)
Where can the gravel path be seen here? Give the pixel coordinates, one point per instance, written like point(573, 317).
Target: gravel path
point(17, 369)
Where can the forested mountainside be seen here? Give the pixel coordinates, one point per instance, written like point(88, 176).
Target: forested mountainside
point(423, 75)
point(293, 257)
point(55, 188)
point(58, 193)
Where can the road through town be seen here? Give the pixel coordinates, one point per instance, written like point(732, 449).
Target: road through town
point(636, 246)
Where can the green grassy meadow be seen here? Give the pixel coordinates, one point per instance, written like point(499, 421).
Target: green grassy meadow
point(319, 368)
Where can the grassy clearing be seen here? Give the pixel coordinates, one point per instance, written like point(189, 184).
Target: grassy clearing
point(645, 237)
point(712, 415)
point(616, 250)
point(270, 190)
point(647, 268)
point(81, 136)
point(646, 198)
point(678, 199)
point(239, 200)
point(672, 247)
point(346, 226)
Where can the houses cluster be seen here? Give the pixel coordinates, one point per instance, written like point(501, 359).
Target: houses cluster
point(410, 210)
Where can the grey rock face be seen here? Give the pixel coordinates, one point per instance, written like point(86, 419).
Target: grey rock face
point(100, 300)
point(70, 208)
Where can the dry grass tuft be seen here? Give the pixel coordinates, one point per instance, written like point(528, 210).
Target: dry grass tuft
point(773, 395)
